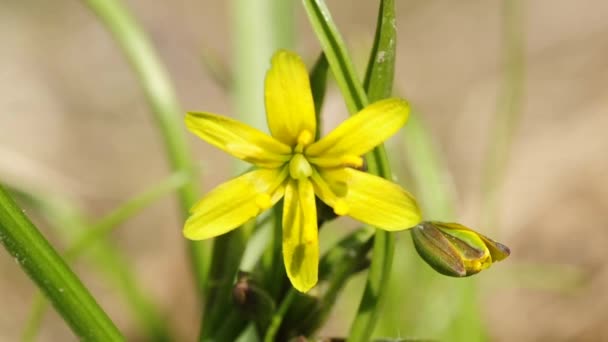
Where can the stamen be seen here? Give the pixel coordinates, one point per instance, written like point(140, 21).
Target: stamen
point(352, 161)
point(263, 201)
point(305, 138)
point(341, 207)
point(332, 161)
point(328, 194)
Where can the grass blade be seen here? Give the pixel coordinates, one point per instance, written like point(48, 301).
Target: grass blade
point(52, 275)
point(160, 94)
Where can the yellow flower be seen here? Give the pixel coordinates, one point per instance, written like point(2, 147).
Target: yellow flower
point(291, 165)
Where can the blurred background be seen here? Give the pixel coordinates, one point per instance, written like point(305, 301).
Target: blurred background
point(75, 126)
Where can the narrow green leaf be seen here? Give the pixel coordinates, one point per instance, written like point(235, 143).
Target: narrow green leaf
point(227, 253)
point(508, 111)
point(161, 97)
point(52, 275)
point(318, 85)
point(356, 98)
point(93, 239)
point(336, 54)
point(432, 181)
point(381, 65)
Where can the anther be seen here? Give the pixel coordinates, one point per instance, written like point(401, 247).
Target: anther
point(352, 161)
point(305, 137)
point(263, 201)
point(340, 207)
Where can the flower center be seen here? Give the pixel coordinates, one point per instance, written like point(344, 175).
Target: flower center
point(299, 168)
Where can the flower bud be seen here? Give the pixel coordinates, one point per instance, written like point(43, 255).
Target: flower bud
point(252, 300)
point(455, 250)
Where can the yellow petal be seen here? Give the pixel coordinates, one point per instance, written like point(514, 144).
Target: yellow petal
point(289, 106)
point(300, 235)
point(372, 200)
point(235, 202)
point(238, 139)
point(363, 131)
point(333, 197)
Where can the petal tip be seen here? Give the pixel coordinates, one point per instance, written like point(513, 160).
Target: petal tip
point(303, 286)
point(284, 53)
point(190, 232)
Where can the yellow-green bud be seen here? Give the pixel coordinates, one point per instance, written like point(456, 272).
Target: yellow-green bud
point(455, 250)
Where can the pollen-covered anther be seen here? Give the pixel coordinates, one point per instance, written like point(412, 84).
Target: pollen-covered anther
point(305, 137)
point(263, 201)
point(340, 207)
point(352, 161)
point(299, 168)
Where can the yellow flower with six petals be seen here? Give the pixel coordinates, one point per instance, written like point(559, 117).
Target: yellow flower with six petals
point(291, 165)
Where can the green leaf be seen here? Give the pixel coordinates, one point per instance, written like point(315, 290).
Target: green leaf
point(92, 238)
point(318, 85)
point(355, 96)
point(52, 275)
point(159, 92)
point(381, 65)
point(337, 56)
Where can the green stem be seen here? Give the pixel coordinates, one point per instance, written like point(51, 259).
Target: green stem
point(378, 85)
point(227, 255)
point(277, 318)
point(52, 275)
point(338, 265)
point(356, 99)
point(160, 95)
point(275, 271)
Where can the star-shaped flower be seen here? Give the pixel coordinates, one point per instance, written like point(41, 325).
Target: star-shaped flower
point(291, 165)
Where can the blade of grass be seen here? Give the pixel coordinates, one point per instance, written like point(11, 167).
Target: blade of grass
point(127, 210)
point(337, 56)
point(356, 98)
point(107, 256)
point(380, 71)
point(159, 92)
point(508, 111)
point(52, 275)
point(318, 85)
